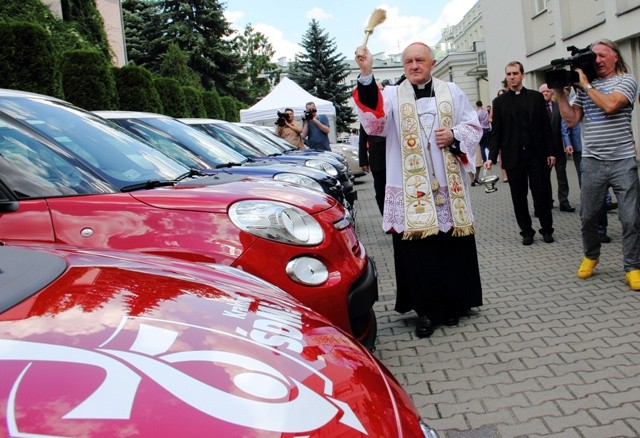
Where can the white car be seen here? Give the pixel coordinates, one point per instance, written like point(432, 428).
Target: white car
point(350, 153)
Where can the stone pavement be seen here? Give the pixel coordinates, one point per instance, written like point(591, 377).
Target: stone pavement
point(547, 355)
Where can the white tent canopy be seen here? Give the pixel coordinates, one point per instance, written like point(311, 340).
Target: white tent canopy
point(288, 94)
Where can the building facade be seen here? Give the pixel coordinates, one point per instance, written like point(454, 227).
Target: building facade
point(535, 32)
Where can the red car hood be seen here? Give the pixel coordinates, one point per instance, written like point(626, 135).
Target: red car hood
point(125, 345)
point(217, 198)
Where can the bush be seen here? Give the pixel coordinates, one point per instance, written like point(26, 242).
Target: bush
point(171, 96)
point(194, 103)
point(136, 90)
point(231, 108)
point(213, 105)
point(27, 59)
point(87, 80)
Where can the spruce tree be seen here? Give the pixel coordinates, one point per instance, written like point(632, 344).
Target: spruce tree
point(322, 72)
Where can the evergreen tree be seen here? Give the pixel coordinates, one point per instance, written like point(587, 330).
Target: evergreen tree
point(322, 72)
point(144, 25)
point(256, 52)
point(175, 65)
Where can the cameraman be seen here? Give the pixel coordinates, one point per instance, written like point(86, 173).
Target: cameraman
point(288, 129)
point(608, 154)
point(315, 128)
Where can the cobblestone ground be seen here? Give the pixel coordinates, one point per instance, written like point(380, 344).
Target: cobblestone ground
point(547, 355)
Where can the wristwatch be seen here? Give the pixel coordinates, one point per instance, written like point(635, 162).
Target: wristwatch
point(588, 87)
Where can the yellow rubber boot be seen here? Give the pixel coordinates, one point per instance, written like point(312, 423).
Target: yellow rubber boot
point(586, 269)
point(633, 278)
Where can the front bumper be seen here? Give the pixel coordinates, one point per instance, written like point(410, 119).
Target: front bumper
point(362, 297)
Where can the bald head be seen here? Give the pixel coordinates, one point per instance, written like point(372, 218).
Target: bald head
point(546, 92)
point(418, 61)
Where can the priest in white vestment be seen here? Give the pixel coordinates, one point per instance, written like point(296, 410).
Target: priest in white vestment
point(432, 132)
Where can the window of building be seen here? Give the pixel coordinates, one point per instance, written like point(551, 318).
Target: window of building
point(538, 6)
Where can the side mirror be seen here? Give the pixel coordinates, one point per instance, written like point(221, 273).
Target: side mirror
point(9, 206)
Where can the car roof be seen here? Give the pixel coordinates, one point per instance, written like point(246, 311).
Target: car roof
point(129, 114)
point(6, 92)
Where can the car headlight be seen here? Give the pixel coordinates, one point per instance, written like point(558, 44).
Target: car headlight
point(296, 178)
point(322, 165)
point(276, 221)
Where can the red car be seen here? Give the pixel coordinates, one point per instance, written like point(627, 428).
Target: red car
point(67, 176)
point(114, 344)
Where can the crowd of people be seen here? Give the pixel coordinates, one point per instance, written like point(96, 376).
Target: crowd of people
point(426, 145)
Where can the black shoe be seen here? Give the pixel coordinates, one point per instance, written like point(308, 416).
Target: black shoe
point(527, 239)
point(473, 183)
point(604, 238)
point(612, 206)
point(425, 327)
point(451, 320)
point(548, 238)
point(567, 207)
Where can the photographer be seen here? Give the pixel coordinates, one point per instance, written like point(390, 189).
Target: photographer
point(315, 128)
point(608, 154)
point(288, 129)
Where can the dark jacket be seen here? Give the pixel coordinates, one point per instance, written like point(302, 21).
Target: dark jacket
point(506, 130)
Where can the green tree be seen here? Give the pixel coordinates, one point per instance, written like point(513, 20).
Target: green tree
point(87, 80)
point(200, 29)
point(322, 71)
point(175, 65)
point(144, 25)
point(136, 90)
point(256, 52)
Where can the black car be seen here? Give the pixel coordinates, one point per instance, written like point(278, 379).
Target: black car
point(196, 151)
point(167, 133)
point(256, 147)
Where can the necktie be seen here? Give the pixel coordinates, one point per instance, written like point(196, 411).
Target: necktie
point(549, 110)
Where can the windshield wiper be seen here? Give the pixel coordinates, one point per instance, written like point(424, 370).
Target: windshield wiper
point(151, 184)
point(189, 174)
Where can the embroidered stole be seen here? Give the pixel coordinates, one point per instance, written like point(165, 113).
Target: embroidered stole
point(420, 215)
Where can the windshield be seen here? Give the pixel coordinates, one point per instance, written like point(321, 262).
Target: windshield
point(167, 144)
point(237, 143)
point(198, 142)
point(259, 142)
point(32, 169)
point(121, 158)
point(270, 137)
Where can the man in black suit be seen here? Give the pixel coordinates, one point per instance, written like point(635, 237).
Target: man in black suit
point(558, 147)
point(372, 157)
point(521, 129)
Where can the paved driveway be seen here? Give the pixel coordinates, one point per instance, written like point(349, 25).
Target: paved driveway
point(547, 355)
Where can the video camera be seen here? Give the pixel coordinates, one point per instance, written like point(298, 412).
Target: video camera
point(559, 77)
point(308, 114)
point(282, 119)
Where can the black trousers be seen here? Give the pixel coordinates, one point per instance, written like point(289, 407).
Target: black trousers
point(379, 184)
point(531, 172)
